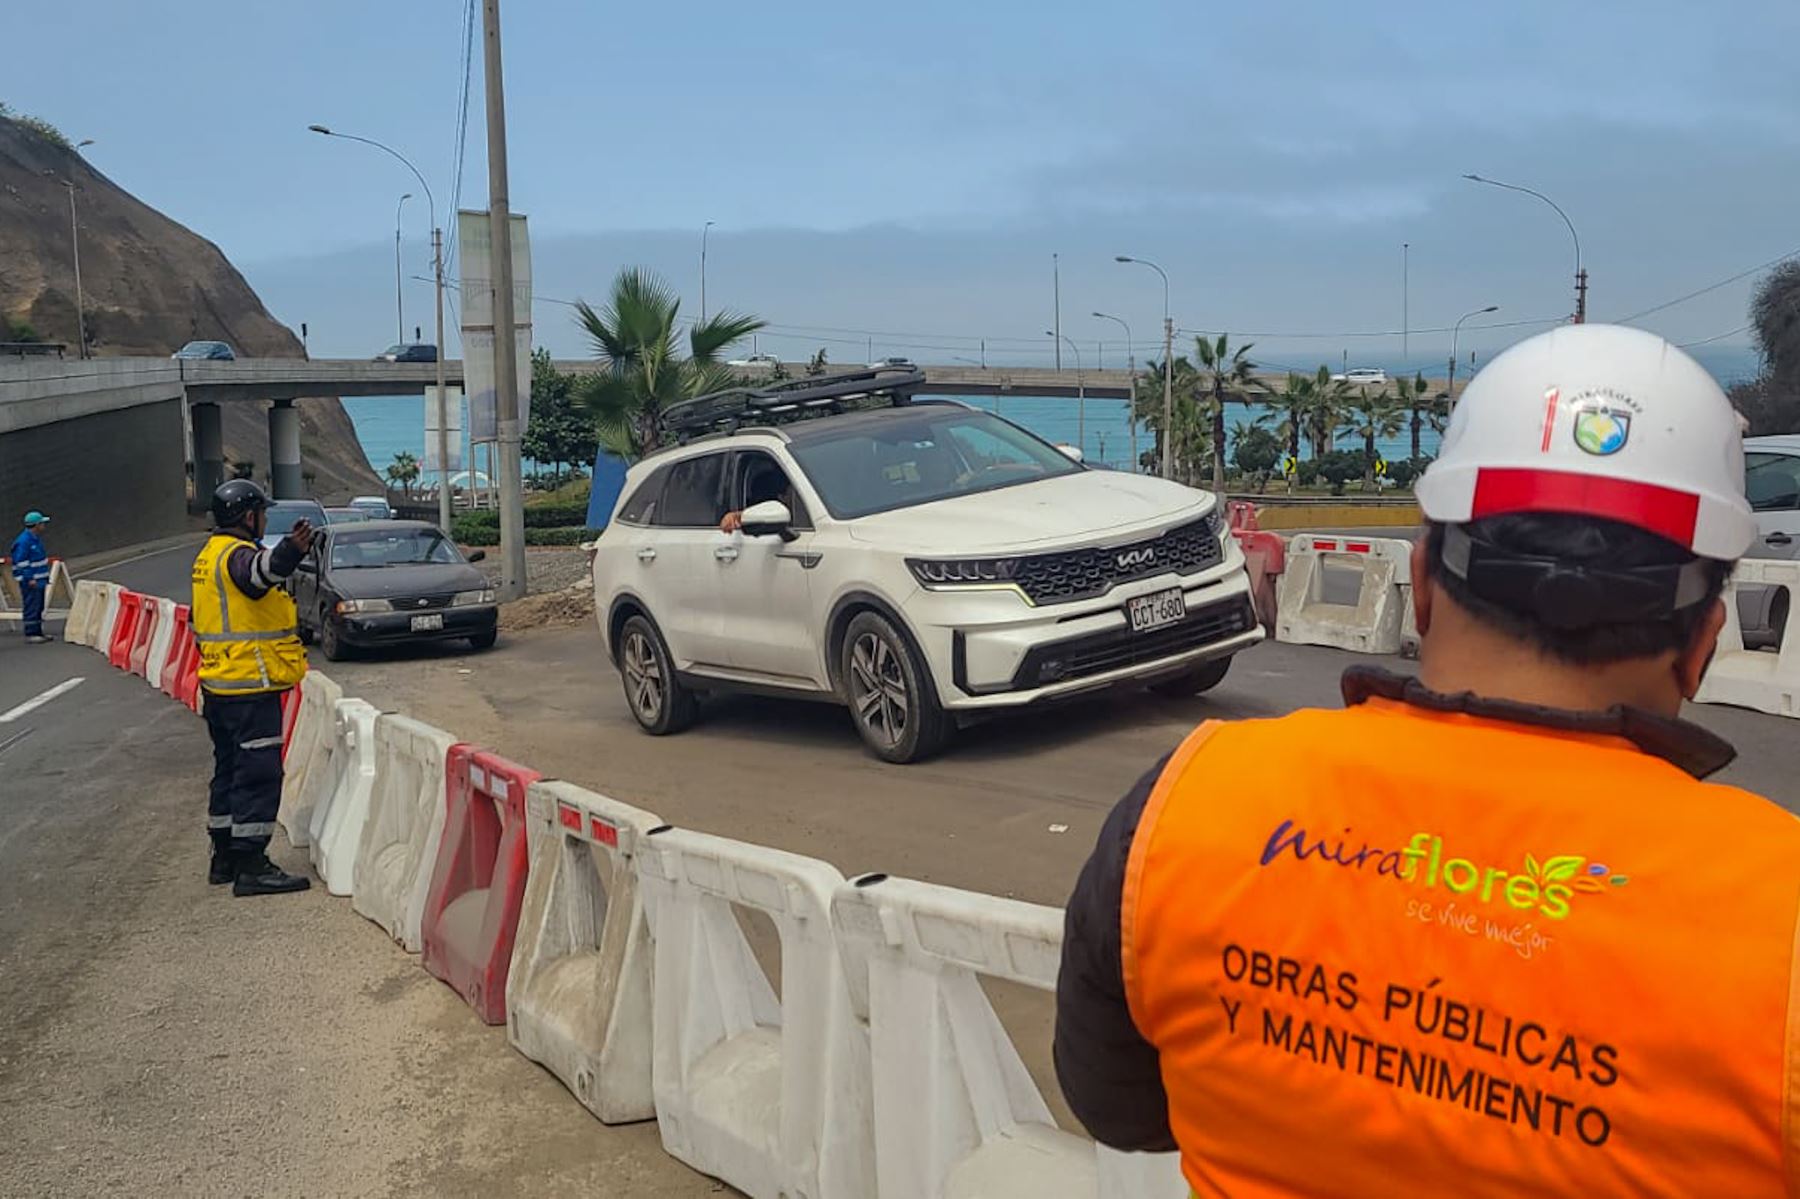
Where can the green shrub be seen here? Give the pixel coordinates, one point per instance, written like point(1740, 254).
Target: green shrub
point(555, 516)
point(483, 529)
point(573, 536)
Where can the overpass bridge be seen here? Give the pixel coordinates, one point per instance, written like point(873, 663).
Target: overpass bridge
point(122, 422)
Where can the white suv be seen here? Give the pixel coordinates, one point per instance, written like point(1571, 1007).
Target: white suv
point(921, 563)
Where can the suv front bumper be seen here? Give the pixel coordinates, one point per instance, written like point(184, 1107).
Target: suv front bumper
point(991, 649)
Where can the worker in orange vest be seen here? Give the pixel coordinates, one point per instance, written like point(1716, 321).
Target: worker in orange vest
point(1485, 931)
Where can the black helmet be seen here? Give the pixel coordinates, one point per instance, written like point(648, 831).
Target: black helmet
point(236, 499)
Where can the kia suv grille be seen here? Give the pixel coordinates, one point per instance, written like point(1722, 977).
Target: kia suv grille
point(1078, 574)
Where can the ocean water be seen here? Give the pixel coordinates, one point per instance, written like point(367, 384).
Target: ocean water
point(388, 425)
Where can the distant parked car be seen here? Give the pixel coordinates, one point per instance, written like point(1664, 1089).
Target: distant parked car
point(284, 514)
point(763, 361)
point(213, 351)
point(1772, 483)
point(1363, 376)
point(376, 506)
point(389, 582)
point(347, 516)
point(410, 351)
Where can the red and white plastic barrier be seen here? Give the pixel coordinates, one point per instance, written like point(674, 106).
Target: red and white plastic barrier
point(84, 613)
point(758, 1091)
point(307, 777)
point(478, 881)
point(578, 997)
point(404, 828)
point(161, 641)
point(1371, 625)
point(124, 629)
point(1768, 682)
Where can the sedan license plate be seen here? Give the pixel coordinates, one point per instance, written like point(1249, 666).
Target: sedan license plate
point(1155, 610)
point(426, 624)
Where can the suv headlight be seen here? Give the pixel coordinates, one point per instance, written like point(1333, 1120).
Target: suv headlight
point(348, 607)
point(463, 599)
point(935, 574)
point(1215, 521)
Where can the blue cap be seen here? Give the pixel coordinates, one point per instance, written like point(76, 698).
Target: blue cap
point(34, 517)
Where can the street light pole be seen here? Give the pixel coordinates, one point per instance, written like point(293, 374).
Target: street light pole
point(1455, 332)
point(1131, 373)
point(1405, 301)
point(703, 230)
point(75, 247)
point(1580, 274)
point(1080, 391)
point(1056, 292)
point(399, 301)
point(437, 278)
point(506, 370)
point(1168, 426)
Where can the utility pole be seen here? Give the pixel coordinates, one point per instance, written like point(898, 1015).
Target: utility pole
point(1581, 296)
point(1405, 300)
point(703, 231)
point(75, 240)
point(443, 394)
point(1056, 289)
point(506, 365)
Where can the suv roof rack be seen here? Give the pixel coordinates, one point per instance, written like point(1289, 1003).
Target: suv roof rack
point(727, 411)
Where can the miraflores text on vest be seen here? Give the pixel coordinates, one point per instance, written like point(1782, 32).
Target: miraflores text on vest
point(1391, 950)
point(246, 645)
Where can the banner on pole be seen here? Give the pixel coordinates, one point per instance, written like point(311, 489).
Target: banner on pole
point(475, 245)
point(453, 409)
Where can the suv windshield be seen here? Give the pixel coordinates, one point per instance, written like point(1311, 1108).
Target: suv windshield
point(931, 453)
point(391, 547)
point(282, 517)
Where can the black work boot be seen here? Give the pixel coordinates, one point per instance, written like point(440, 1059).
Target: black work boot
point(256, 875)
point(222, 869)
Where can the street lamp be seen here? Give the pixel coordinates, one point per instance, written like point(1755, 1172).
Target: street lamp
point(1168, 420)
point(75, 247)
point(1450, 383)
point(703, 230)
point(1131, 393)
point(399, 303)
point(1080, 390)
point(1580, 275)
point(437, 275)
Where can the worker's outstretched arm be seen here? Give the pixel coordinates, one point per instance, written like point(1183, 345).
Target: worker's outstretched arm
point(1110, 1074)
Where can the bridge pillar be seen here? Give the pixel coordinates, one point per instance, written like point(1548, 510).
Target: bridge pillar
point(284, 451)
point(209, 452)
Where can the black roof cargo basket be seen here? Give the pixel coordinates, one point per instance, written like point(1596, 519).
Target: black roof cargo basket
point(729, 410)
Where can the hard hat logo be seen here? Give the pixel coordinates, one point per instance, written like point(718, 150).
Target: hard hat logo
point(1601, 430)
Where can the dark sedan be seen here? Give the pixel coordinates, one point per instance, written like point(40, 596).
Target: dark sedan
point(388, 582)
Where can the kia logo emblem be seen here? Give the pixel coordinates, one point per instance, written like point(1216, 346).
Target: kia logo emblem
point(1139, 557)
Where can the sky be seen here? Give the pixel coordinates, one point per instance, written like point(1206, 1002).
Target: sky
point(897, 178)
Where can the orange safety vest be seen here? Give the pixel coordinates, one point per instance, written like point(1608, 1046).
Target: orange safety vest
point(1391, 950)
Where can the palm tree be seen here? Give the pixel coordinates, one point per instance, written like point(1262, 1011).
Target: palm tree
point(1225, 374)
point(1413, 398)
point(1330, 400)
point(1294, 401)
point(404, 470)
point(1147, 402)
point(1375, 415)
point(634, 339)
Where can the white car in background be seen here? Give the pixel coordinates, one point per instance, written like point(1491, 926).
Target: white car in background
point(376, 506)
point(756, 362)
point(1772, 483)
point(922, 563)
point(1363, 376)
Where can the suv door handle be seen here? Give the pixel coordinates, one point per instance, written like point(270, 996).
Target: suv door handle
point(1779, 539)
point(725, 553)
point(647, 554)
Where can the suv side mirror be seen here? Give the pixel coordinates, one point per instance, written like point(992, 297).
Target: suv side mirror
point(1073, 453)
point(770, 518)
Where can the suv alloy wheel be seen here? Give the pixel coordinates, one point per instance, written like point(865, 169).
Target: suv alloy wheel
point(658, 700)
point(892, 698)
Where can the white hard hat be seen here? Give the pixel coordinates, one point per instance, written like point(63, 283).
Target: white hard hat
point(1597, 420)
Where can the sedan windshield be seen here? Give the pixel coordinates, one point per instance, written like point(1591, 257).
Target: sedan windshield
point(391, 547)
point(932, 453)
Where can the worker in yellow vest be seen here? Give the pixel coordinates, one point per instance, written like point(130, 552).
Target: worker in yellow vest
point(250, 654)
point(1485, 931)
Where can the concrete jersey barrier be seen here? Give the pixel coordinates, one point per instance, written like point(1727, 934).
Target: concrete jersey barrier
point(1760, 679)
point(404, 828)
point(956, 1113)
point(1372, 624)
point(578, 996)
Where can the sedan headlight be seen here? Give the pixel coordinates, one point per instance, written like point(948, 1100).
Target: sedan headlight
point(939, 573)
point(363, 606)
point(464, 599)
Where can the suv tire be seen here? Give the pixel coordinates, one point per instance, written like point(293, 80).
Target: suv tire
point(1193, 680)
point(658, 700)
point(892, 698)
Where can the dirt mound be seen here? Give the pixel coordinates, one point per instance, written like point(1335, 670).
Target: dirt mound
point(573, 605)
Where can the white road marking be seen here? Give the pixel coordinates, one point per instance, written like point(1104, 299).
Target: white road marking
point(188, 545)
point(39, 700)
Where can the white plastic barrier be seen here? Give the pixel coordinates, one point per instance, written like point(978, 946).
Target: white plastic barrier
point(405, 824)
point(59, 595)
point(768, 1094)
point(1760, 679)
point(162, 640)
point(956, 1113)
point(109, 616)
point(306, 772)
point(578, 995)
point(336, 825)
point(84, 613)
point(1372, 624)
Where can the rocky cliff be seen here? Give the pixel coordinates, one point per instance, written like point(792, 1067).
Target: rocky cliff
point(148, 285)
